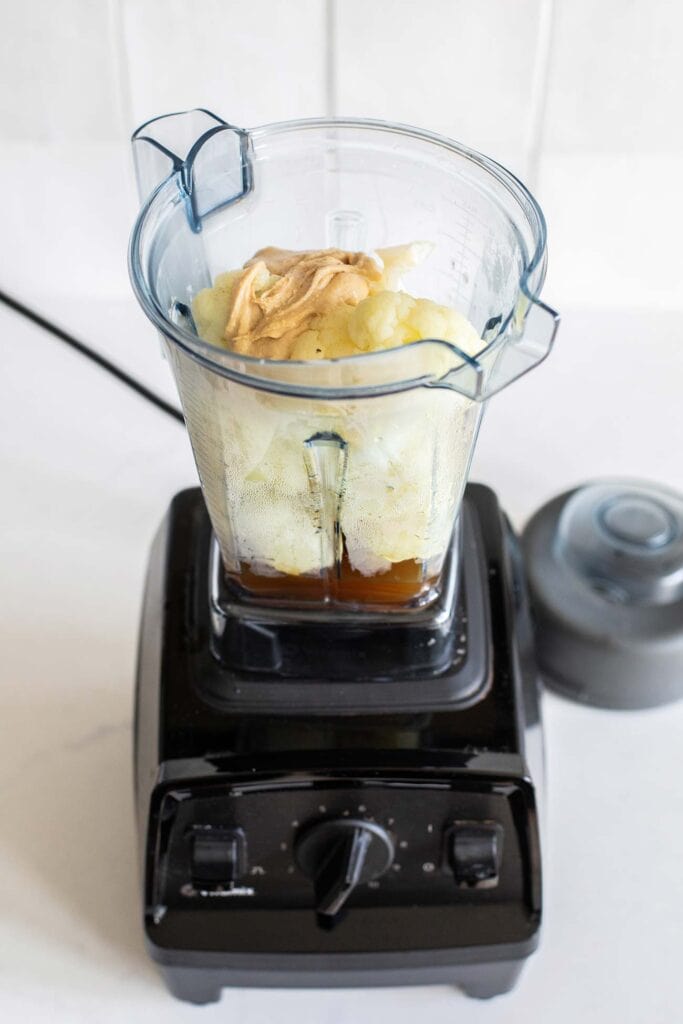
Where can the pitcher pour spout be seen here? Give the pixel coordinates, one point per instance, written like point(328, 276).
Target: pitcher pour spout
point(530, 339)
point(209, 157)
point(524, 343)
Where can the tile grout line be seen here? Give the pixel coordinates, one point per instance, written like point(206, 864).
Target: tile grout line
point(330, 51)
point(121, 65)
point(539, 90)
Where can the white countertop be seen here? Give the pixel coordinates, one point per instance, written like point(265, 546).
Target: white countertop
point(88, 469)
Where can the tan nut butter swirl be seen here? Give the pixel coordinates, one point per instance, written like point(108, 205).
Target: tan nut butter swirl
point(280, 293)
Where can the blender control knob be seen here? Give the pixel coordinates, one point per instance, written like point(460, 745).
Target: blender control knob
point(339, 854)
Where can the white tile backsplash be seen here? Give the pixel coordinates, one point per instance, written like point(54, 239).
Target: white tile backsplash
point(461, 68)
point(57, 77)
point(614, 223)
point(616, 77)
point(65, 221)
point(250, 61)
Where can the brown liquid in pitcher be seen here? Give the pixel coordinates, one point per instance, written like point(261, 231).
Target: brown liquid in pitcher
point(404, 583)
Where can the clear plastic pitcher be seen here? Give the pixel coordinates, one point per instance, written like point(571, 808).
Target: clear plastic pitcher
point(336, 482)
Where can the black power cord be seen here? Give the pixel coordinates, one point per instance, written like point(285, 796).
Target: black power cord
point(90, 353)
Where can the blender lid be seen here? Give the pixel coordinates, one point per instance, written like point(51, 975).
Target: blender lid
point(605, 569)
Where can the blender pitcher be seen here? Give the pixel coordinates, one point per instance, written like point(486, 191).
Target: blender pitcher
point(336, 483)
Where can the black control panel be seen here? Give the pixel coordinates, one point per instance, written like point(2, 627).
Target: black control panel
point(327, 850)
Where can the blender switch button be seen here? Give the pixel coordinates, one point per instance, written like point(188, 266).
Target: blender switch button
point(218, 856)
point(474, 851)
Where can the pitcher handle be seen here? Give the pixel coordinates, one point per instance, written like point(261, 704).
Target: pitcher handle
point(209, 157)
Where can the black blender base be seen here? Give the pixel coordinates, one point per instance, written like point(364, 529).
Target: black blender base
point(242, 777)
point(202, 985)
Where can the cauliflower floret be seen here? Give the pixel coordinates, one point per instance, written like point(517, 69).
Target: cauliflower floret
point(276, 535)
point(390, 319)
point(397, 260)
point(381, 321)
point(210, 308)
point(429, 320)
point(307, 346)
point(328, 338)
point(333, 332)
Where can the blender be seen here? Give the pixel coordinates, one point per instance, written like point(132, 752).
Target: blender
point(337, 725)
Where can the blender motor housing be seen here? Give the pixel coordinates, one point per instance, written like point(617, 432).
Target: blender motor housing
point(355, 824)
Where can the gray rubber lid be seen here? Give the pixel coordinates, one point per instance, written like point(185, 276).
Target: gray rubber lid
point(605, 570)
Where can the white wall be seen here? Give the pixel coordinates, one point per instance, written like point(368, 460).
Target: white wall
point(581, 98)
